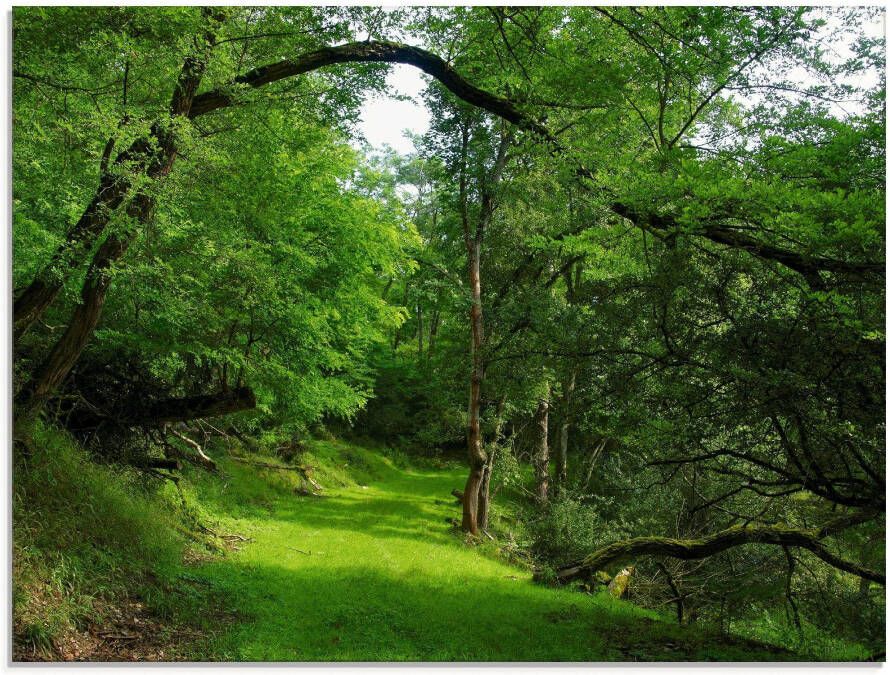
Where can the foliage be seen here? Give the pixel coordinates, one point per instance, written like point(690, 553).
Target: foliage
point(677, 215)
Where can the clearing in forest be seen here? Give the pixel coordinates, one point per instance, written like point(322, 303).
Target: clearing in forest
point(374, 572)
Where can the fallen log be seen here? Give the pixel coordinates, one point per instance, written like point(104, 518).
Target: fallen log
point(696, 549)
point(168, 410)
point(195, 407)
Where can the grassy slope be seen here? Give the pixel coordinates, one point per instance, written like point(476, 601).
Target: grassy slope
point(368, 573)
point(375, 573)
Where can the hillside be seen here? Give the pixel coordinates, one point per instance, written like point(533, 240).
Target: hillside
point(372, 570)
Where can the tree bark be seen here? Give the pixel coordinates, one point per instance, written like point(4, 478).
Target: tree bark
point(43, 290)
point(542, 453)
point(64, 354)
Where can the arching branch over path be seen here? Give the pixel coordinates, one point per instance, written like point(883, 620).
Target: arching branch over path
point(435, 66)
point(155, 160)
point(371, 52)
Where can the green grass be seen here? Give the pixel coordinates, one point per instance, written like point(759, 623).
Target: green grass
point(816, 644)
point(84, 536)
point(373, 572)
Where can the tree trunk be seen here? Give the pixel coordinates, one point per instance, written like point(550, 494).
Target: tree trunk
point(473, 243)
point(419, 331)
point(32, 303)
point(542, 454)
point(484, 492)
point(434, 329)
point(153, 155)
point(397, 338)
point(563, 450)
point(43, 290)
point(67, 350)
point(477, 457)
point(595, 454)
point(675, 590)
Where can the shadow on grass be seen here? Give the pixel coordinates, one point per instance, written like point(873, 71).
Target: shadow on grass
point(358, 614)
point(376, 574)
point(407, 506)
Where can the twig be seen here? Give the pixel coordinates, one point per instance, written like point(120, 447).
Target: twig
point(203, 458)
point(235, 537)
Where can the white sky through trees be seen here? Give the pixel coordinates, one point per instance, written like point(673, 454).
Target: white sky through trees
point(385, 119)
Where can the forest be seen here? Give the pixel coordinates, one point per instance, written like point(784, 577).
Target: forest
point(594, 372)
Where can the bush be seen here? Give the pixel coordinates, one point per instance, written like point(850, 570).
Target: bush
point(568, 530)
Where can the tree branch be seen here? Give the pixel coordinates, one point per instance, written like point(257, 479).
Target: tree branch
point(435, 66)
point(696, 549)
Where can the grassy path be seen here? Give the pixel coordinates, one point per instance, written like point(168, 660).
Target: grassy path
point(374, 573)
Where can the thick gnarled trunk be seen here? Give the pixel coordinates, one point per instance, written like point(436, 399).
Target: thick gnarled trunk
point(64, 354)
point(43, 290)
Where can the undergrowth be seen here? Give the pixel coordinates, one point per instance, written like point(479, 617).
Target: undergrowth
point(86, 537)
